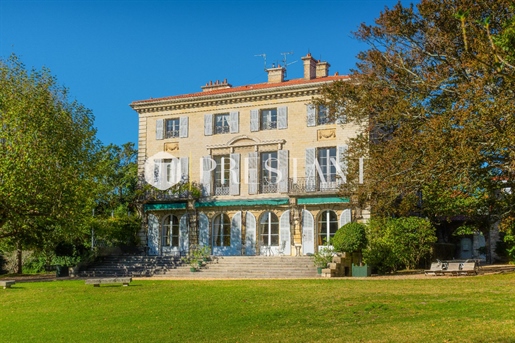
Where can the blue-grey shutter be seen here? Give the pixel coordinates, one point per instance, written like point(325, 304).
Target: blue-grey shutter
point(284, 232)
point(254, 120)
point(236, 234)
point(208, 124)
point(234, 122)
point(234, 175)
point(341, 158)
point(253, 172)
point(206, 175)
point(183, 127)
point(203, 230)
point(184, 169)
point(311, 115)
point(153, 235)
point(282, 117)
point(282, 156)
point(159, 128)
point(308, 233)
point(345, 217)
point(184, 234)
point(310, 170)
point(250, 234)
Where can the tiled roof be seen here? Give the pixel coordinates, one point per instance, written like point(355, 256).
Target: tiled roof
point(246, 88)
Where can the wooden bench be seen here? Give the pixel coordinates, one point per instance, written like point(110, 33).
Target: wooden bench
point(96, 282)
point(7, 283)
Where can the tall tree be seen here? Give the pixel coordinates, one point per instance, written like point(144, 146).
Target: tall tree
point(47, 156)
point(434, 95)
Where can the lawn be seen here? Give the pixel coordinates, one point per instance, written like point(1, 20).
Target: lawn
point(434, 309)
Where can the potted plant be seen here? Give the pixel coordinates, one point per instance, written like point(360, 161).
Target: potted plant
point(192, 261)
point(351, 238)
point(323, 257)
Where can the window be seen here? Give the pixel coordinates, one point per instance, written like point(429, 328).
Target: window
point(222, 231)
point(222, 174)
point(323, 116)
point(171, 231)
point(268, 119)
point(327, 227)
point(268, 172)
point(269, 229)
point(172, 128)
point(222, 123)
point(327, 162)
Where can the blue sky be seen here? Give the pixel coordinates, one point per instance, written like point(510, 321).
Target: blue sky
point(110, 53)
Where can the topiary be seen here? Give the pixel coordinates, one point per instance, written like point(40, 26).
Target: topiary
point(350, 238)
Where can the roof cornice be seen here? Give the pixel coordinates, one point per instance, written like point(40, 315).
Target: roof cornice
point(231, 96)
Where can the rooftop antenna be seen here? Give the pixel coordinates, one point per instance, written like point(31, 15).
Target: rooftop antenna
point(285, 63)
point(264, 58)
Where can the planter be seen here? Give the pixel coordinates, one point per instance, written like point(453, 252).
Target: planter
point(319, 270)
point(361, 271)
point(193, 269)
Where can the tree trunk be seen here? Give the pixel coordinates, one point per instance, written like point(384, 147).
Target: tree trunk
point(19, 265)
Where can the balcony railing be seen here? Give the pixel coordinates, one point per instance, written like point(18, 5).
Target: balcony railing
point(158, 195)
point(221, 189)
point(311, 185)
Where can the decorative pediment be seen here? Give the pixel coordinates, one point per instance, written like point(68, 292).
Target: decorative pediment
point(248, 143)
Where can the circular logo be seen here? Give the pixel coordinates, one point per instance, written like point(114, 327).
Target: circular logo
point(162, 170)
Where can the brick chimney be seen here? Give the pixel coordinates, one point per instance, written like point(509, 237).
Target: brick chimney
point(275, 75)
point(210, 86)
point(322, 69)
point(309, 67)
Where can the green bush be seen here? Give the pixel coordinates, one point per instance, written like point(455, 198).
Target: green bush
point(350, 238)
point(396, 243)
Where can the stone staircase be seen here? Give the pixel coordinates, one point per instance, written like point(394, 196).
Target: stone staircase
point(132, 265)
point(220, 267)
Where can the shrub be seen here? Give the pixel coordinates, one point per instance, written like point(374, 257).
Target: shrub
point(397, 243)
point(350, 238)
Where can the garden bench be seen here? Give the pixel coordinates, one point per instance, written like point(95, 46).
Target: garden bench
point(96, 282)
point(7, 283)
point(436, 269)
point(468, 268)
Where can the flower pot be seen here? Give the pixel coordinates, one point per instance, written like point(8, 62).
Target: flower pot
point(319, 270)
point(193, 269)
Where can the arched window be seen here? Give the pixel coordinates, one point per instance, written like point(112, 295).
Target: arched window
point(222, 231)
point(171, 231)
point(269, 229)
point(327, 227)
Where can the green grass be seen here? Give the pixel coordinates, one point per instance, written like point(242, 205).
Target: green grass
point(461, 309)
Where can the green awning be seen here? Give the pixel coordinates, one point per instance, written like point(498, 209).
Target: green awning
point(249, 202)
point(317, 201)
point(167, 206)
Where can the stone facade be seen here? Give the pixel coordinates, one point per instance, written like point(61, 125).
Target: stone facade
point(268, 161)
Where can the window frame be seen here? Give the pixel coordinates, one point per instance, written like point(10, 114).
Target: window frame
point(171, 231)
point(226, 124)
point(327, 226)
point(269, 229)
point(271, 184)
point(222, 236)
point(269, 123)
point(222, 182)
point(176, 128)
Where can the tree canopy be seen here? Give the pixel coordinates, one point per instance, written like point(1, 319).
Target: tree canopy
point(434, 95)
point(48, 152)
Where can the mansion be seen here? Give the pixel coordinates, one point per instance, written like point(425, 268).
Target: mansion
point(267, 164)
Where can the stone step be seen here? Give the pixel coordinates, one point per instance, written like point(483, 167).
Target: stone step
point(219, 267)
